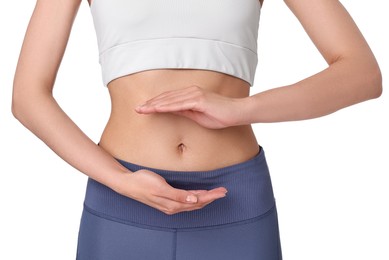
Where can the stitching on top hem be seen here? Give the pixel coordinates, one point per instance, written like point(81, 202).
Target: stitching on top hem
point(166, 38)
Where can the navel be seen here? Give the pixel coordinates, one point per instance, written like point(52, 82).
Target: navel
point(181, 148)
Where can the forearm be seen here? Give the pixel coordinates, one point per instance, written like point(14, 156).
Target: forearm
point(41, 114)
point(35, 107)
point(344, 83)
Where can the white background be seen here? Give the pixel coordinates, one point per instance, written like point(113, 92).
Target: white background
point(330, 175)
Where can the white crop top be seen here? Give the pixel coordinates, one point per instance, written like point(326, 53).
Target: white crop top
point(138, 35)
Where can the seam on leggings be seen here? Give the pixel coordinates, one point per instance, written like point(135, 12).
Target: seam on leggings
point(240, 222)
point(174, 251)
point(279, 247)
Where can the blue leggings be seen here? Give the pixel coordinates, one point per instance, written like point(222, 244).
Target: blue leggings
point(241, 226)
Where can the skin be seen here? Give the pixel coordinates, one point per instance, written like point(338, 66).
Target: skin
point(180, 118)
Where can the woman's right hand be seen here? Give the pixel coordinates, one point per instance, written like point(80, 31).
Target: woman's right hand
point(152, 189)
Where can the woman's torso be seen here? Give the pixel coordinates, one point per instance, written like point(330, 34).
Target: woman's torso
point(168, 141)
point(138, 38)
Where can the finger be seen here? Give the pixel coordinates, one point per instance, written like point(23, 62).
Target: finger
point(191, 92)
point(197, 191)
point(179, 106)
point(168, 94)
point(221, 189)
point(169, 104)
point(178, 195)
point(169, 206)
point(211, 195)
point(184, 196)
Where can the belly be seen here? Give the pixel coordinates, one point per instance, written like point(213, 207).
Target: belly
point(167, 141)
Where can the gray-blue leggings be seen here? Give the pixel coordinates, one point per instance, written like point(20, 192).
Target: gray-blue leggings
point(241, 226)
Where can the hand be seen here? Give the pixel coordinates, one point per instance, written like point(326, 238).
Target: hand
point(151, 189)
point(206, 108)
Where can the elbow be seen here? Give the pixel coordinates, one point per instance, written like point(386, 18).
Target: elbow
point(28, 102)
point(369, 80)
point(376, 83)
point(19, 102)
point(365, 77)
point(24, 102)
point(17, 108)
point(28, 99)
point(18, 98)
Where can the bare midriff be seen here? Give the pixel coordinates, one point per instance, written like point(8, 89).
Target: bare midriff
point(168, 141)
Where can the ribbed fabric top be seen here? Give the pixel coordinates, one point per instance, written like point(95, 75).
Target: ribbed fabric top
point(217, 35)
point(249, 196)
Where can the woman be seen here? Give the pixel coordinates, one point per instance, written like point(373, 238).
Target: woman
point(178, 173)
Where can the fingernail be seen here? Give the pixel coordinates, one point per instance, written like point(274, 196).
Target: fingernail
point(191, 198)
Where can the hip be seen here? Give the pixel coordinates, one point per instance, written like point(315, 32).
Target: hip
point(250, 196)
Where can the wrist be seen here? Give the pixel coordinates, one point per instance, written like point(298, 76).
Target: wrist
point(244, 110)
point(120, 182)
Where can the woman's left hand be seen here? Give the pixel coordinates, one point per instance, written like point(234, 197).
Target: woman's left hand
point(206, 108)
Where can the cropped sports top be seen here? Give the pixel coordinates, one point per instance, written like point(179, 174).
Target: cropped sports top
point(138, 35)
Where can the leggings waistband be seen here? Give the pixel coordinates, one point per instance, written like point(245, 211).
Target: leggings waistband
point(250, 195)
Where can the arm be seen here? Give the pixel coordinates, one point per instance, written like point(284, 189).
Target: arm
point(35, 107)
point(352, 76)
